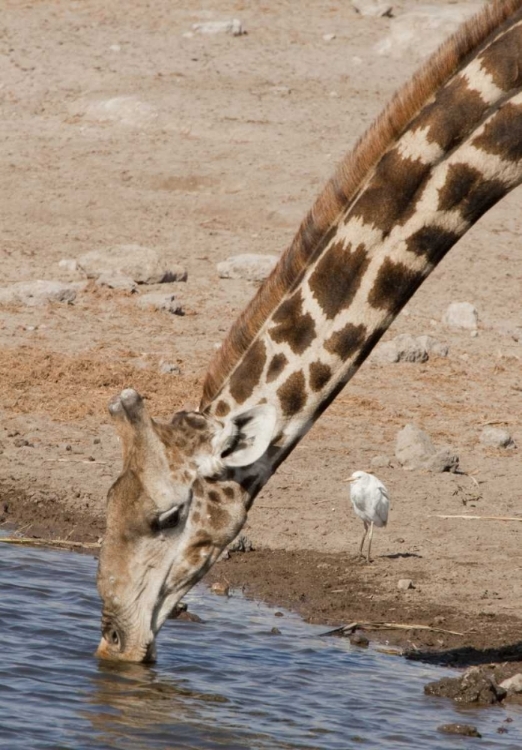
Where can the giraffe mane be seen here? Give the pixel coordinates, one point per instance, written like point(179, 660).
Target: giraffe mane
point(343, 187)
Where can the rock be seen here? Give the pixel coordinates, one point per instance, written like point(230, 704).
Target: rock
point(117, 281)
point(241, 544)
point(167, 368)
point(328, 37)
point(125, 110)
point(466, 730)
point(142, 264)
point(444, 459)
point(513, 684)
point(372, 8)
point(494, 437)
point(278, 614)
point(476, 685)
point(408, 348)
point(359, 640)
point(219, 588)
point(432, 347)
point(461, 315)
point(189, 617)
point(160, 301)
point(275, 631)
point(35, 293)
point(248, 266)
point(419, 32)
point(69, 264)
point(233, 27)
point(403, 348)
point(380, 462)
point(413, 447)
point(404, 584)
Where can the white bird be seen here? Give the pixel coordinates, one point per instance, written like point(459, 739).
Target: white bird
point(371, 503)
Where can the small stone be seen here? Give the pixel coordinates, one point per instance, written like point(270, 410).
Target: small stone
point(69, 264)
point(275, 631)
point(167, 368)
point(466, 730)
point(461, 315)
point(432, 347)
point(160, 301)
point(34, 293)
point(96, 441)
point(21, 443)
point(380, 462)
point(249, 266)
point(474, 334)
point(219, 588)
point(117, 281)
point(495, 437)
point(404, 584)
point(189, 617)
point(403, 348)
point(359, 640)
point(278, 614)
point(513, 684)
point(372, 8)
point(68, 447)
point(413, 447)
point(328, 37)
point(476, 685)
point(241, 544)
point(444, 459)
point(142, 264)
point(233, 27)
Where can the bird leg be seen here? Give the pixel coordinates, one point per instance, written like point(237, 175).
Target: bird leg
point(369, 543)
point(360, 555)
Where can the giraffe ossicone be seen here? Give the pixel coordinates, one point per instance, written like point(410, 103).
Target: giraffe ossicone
point(445, 149)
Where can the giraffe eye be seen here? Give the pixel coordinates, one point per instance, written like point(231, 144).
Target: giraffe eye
point(168, 520)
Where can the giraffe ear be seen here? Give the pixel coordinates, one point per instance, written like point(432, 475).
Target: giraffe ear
point(246, 436)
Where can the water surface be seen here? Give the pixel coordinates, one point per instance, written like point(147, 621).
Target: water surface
point(228, 683)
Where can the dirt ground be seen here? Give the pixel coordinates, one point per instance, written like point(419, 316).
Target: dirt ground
point(117, 129)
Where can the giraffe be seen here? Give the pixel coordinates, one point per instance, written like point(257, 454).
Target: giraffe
point(446, 148)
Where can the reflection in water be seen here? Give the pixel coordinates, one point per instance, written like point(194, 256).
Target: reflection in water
point(227, 683)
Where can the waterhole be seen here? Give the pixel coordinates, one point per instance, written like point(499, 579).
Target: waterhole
point(226, 683)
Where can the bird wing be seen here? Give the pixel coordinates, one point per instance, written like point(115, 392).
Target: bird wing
point(382, 505)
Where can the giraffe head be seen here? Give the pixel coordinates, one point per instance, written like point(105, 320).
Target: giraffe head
point(176, 505)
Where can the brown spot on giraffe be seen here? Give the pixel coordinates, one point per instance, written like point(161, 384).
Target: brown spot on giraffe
point(501, 60)
point(466, 189)
point(248, 374)
point(345, 342)
point(431, 242)
point(337, 277)
point(222, 409)
point(452, 115)
point(394, 285)
point(228, 492)
point(391, 194)
point(501, 134)
point(292, 394)
point(319, 375)
point(276, 367)
point(292, 326)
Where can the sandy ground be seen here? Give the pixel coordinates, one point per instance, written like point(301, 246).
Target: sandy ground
point(118, 129)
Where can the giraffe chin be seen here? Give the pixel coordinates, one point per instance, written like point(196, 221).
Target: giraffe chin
point(135, 655)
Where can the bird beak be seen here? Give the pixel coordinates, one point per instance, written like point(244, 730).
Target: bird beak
point(349, 480)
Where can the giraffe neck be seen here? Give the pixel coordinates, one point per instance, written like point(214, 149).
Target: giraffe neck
point(459, 152)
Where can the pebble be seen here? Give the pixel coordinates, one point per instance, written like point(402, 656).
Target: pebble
point(461, 315)
point(21, 443)
point(476, 685)
point(249, 266)
point(275, 631)
point(513, 684)
point(143, 265)
point(128, 110)
point(359, 640)
point(69, 264)
point(495, 437)
point(408, 348)
point(160, 301)
point(167, 368)
point(35, 293)
point(233, 27)
point(414, 450)
point(117, 281)
point(219, 588)
point(372, 8)
point(404, 584)
point(466, 730)
point(328, 37)
point(419, 32)
point(380, 462)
